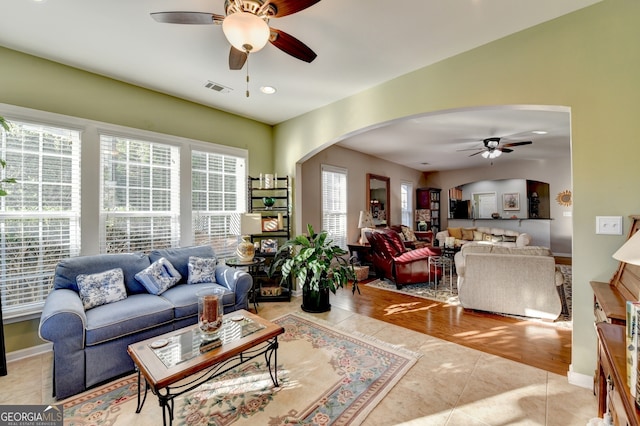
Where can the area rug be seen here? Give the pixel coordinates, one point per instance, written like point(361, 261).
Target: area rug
point(326, 376)
point(447, 292)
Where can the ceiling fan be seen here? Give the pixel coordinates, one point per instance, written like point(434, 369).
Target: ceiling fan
point(246, 27)
point(493, 149)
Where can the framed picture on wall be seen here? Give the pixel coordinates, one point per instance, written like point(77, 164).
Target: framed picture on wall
point(511, 201)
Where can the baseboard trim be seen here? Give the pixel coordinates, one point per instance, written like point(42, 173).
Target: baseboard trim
point(29, 352)
point(582, 380)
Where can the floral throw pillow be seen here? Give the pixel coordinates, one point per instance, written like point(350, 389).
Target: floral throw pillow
point(408, 233)
point(202, 270)
point(159, 276)
point(101, 288)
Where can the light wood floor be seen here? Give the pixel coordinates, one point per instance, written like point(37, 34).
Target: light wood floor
point(535, 343)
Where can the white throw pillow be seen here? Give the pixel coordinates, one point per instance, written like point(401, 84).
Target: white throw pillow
point(101, 288)
point(159, 276)
point(202, 270)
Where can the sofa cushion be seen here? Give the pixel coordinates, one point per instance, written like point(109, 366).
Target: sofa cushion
point(455, 233)
point(202, 270)
point(184, 300)
point(101, 288)
point(478, 236)
point(159, 276)
point(467, 234)
point(408, 234)
point(179, 257)
point(130, 263)
point(128, 316)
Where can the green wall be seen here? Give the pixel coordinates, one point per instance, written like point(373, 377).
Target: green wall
point(36, 83)
point(589, 61)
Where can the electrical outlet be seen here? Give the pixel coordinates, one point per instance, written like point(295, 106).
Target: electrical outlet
point(609, 225)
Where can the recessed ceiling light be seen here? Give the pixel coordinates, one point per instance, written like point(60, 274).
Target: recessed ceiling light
point(539, 132)
point(268, 90)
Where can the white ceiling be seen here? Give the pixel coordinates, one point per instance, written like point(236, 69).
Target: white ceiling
point(360, 43)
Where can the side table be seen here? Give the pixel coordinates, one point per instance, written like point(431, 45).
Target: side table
point(444, 263)
point(363, 253)
point(252, 267)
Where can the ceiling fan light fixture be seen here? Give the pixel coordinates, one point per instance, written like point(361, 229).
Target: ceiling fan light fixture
point(245, 31)
point(497, 153)
point(485, 154)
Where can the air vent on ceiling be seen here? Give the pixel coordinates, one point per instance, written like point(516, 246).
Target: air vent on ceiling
point(217, 87)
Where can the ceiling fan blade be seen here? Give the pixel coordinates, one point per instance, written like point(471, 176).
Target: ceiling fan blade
point(291, 45)
point(237, 58)
point(505, 150)
point(476, 153)
point(518, 143)
point(288, 7)
point(198, 18)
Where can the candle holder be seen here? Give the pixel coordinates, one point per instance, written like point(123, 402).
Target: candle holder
point(210, 312)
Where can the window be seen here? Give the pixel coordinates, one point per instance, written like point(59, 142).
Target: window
point(136, 196)
point(334, 204)
point(218, 198)
point(140, 195)
point(406, 203)
point(40, 217)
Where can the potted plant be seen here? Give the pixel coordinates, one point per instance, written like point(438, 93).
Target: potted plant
point(319, 265)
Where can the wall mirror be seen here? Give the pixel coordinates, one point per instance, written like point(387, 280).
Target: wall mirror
point(378, 196)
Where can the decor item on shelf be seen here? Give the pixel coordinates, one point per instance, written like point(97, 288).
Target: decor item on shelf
point(269, 245)
point(268, 181)
point(280, 222)
point(495, 215)
point(269, 224)
point(365, 222)
point(422, 217)
point(268, 202)
point(250, 223)
point(319, 265)
point(630, 251)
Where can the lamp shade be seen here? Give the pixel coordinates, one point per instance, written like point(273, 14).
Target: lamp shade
point(423, 215)
point(250, 223)
point(365, 220)
point(630, 250)
point(245, 31)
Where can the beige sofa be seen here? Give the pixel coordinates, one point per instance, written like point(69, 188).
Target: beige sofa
point(491, 236)
point(510, 280)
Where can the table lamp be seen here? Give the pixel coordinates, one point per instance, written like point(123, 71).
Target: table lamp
point(250, 223)
point(422, 217)
point(365, 222)
point(630, 250)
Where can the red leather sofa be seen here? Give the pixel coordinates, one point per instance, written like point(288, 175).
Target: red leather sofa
point(392, 260)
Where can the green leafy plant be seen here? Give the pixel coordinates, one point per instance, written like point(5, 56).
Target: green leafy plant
point(315, 261)
point(5, 125)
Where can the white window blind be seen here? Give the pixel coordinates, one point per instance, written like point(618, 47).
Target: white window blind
point(140, 195)
point(334, 204)
point(40, 216)
point(406, 204)
point(218, 188)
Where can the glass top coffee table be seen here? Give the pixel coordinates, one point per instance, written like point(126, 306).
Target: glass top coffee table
point(165, 360)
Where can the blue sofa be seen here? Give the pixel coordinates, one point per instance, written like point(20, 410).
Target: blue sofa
point(90, 346)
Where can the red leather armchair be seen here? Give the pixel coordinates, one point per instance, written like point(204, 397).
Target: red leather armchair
point(393, 261)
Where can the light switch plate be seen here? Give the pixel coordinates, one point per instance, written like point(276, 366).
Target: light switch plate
point(609, 225)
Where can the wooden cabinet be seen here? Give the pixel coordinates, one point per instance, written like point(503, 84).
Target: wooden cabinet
point(276, 230)
point(612, 391)
point(429, 199)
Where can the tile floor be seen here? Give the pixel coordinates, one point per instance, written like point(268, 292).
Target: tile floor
point(449, 385)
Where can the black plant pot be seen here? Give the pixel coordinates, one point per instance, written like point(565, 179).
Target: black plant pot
point(315, 301)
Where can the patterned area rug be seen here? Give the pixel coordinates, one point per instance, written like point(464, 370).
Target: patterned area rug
point(447, 292)
point(326, 376)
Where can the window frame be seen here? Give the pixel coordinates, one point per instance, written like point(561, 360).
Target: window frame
point(342, 239)
point(90, 172)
